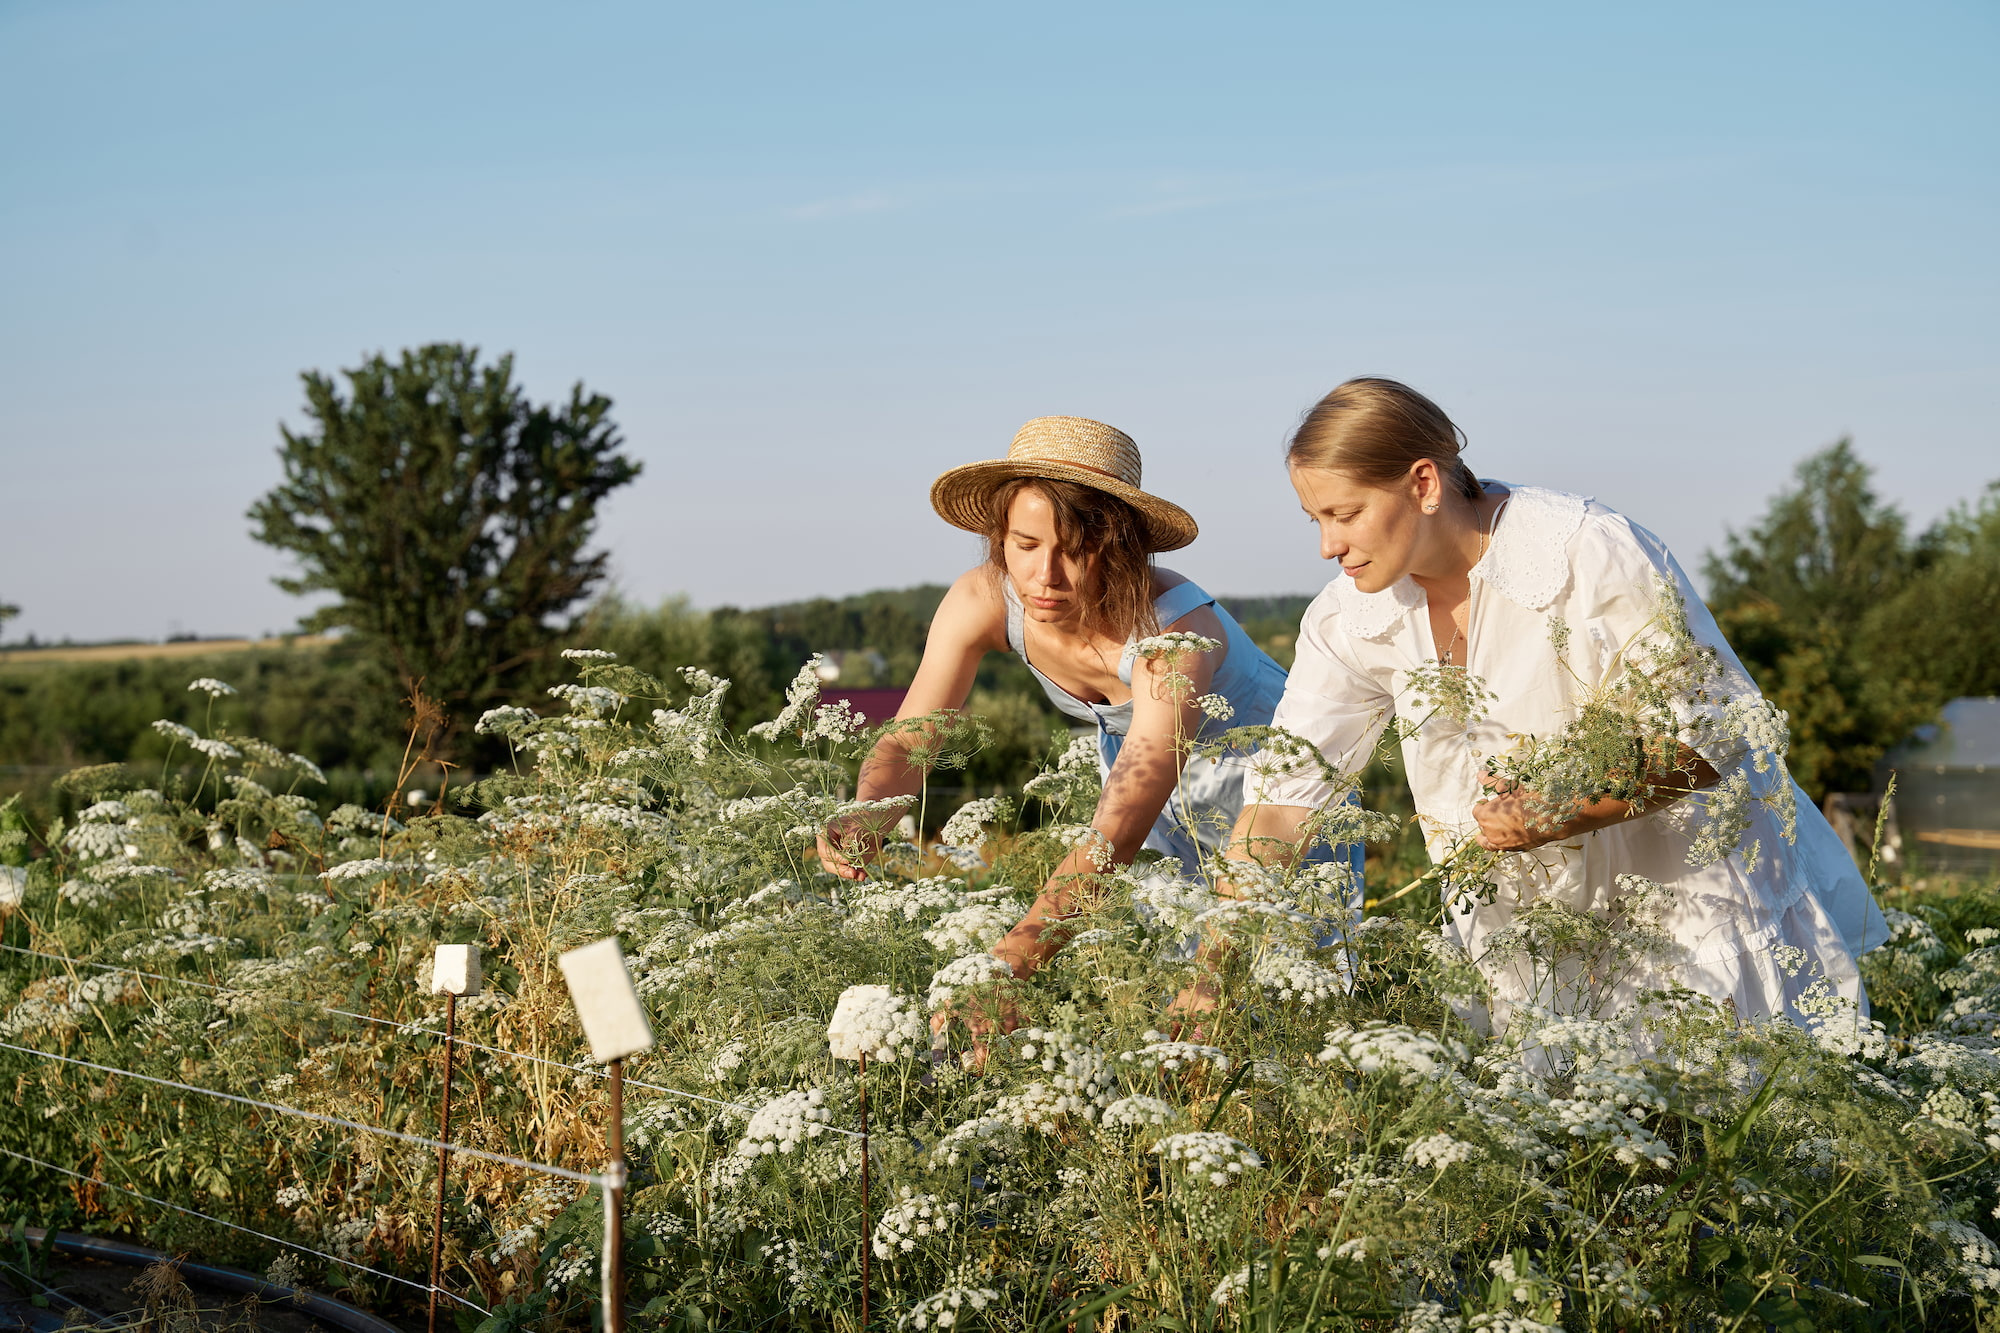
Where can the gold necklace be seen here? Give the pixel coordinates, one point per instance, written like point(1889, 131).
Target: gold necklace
point(1485, 540)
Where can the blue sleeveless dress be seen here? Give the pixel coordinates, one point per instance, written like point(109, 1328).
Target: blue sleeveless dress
point(1200, 815)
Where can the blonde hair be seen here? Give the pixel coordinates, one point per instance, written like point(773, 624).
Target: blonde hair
point(1377, 430)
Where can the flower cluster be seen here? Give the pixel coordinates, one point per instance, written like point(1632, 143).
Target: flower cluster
point(1208, 1158)
point(876, 1022)
point(784, 1123)
point(943, 1309)
point(912, 1218)
point(973, 971)
point(1390, 1048)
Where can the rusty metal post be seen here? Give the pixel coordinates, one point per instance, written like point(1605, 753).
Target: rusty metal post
point(444, 1155)
point(867, 1226)
point(614, 1208)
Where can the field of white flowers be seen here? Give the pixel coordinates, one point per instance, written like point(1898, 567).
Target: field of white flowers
point(1333, 1148)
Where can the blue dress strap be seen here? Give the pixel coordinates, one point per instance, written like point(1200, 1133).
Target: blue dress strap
point(1178, 600)
point(1168, 607)
point(1015, 639)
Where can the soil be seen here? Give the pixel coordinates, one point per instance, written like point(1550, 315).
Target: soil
point(106, 1292)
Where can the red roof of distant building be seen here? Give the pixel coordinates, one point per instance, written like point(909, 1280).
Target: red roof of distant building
point(878, 706)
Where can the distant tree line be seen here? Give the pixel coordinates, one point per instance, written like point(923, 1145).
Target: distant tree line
point(451, 519)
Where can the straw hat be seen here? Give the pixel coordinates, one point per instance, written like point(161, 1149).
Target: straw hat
point(1062, 449)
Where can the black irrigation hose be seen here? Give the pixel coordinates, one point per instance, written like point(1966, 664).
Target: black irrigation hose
point(323, 1308)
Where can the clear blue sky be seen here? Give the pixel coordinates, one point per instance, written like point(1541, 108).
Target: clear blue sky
point(818, 253)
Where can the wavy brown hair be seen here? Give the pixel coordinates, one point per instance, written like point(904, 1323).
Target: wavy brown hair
point(1377, 430)
point(1102, 533)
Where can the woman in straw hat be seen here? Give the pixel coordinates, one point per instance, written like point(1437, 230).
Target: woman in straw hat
point(1070, 586)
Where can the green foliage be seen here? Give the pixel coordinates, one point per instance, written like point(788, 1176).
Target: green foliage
point(447, 513)
point(1856, 632)
point(319, 701)
point(1943, 631)
point(1335, 1149)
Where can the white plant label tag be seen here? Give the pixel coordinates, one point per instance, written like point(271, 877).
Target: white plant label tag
point(601, 988)
point(455, 970)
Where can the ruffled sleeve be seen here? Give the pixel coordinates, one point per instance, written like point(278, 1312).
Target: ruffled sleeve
point(1328, 701)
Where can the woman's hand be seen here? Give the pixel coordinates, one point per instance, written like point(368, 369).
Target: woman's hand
point(1200, 996)
point(984, 1016)
point(1508, 821)
point(848, 844)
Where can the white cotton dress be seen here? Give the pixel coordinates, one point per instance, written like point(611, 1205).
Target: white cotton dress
point(1552, 555)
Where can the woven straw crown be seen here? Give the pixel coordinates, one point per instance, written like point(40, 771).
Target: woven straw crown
point(1063, 449)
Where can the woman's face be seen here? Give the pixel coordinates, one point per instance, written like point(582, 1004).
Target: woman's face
point(1048, 580)
point(1372, 531)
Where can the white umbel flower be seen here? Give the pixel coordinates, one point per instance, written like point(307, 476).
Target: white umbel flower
point(975, 969)
point(1377, 1048)
point(1206, 1157)
point(784, 1123)
point(877, 1022)
point(943, 1309)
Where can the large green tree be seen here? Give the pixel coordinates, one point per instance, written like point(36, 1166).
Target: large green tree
point(447, 513)
point(1800, 597)
point(1941, 635)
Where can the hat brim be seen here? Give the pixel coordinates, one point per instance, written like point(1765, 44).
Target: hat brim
point(963, 497)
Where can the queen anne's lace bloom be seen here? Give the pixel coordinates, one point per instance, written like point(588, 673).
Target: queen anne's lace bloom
point(800, 698)
point(1175, 644)
point(1174, 1056)
point(943, 1310)
point(985, 1137)
point(1139, 1113)
point(838, 721)
point(503, 721)
point(1297, 980)
point(1208, 1158)
point(912, 1219)
point(784, 1123)
point(361, 869)
point(973, 928)
point(877, 906)
point(588, 700)
point(877, 1022)
point(967, 825)
point(1378, 1047)
point(1442, 1150)
point(212, 687)
point(961, 974)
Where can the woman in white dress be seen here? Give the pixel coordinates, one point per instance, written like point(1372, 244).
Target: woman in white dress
point(1533, 593)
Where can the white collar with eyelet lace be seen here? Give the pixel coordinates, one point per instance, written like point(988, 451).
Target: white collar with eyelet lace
point(1527, 562)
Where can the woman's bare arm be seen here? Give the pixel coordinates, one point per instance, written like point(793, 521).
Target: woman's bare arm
point(1509, 822)
point(1268, 835)
point(970, 622)
point(1140, 784)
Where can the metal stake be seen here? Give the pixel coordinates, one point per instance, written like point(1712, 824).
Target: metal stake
point(867, 1229)
point(614, 1208)
point(444, 1155)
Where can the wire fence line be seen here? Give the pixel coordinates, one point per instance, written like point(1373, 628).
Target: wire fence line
point(611, 1181)
point(594, 1179)
point(401, 1025)
point(424, 1287)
